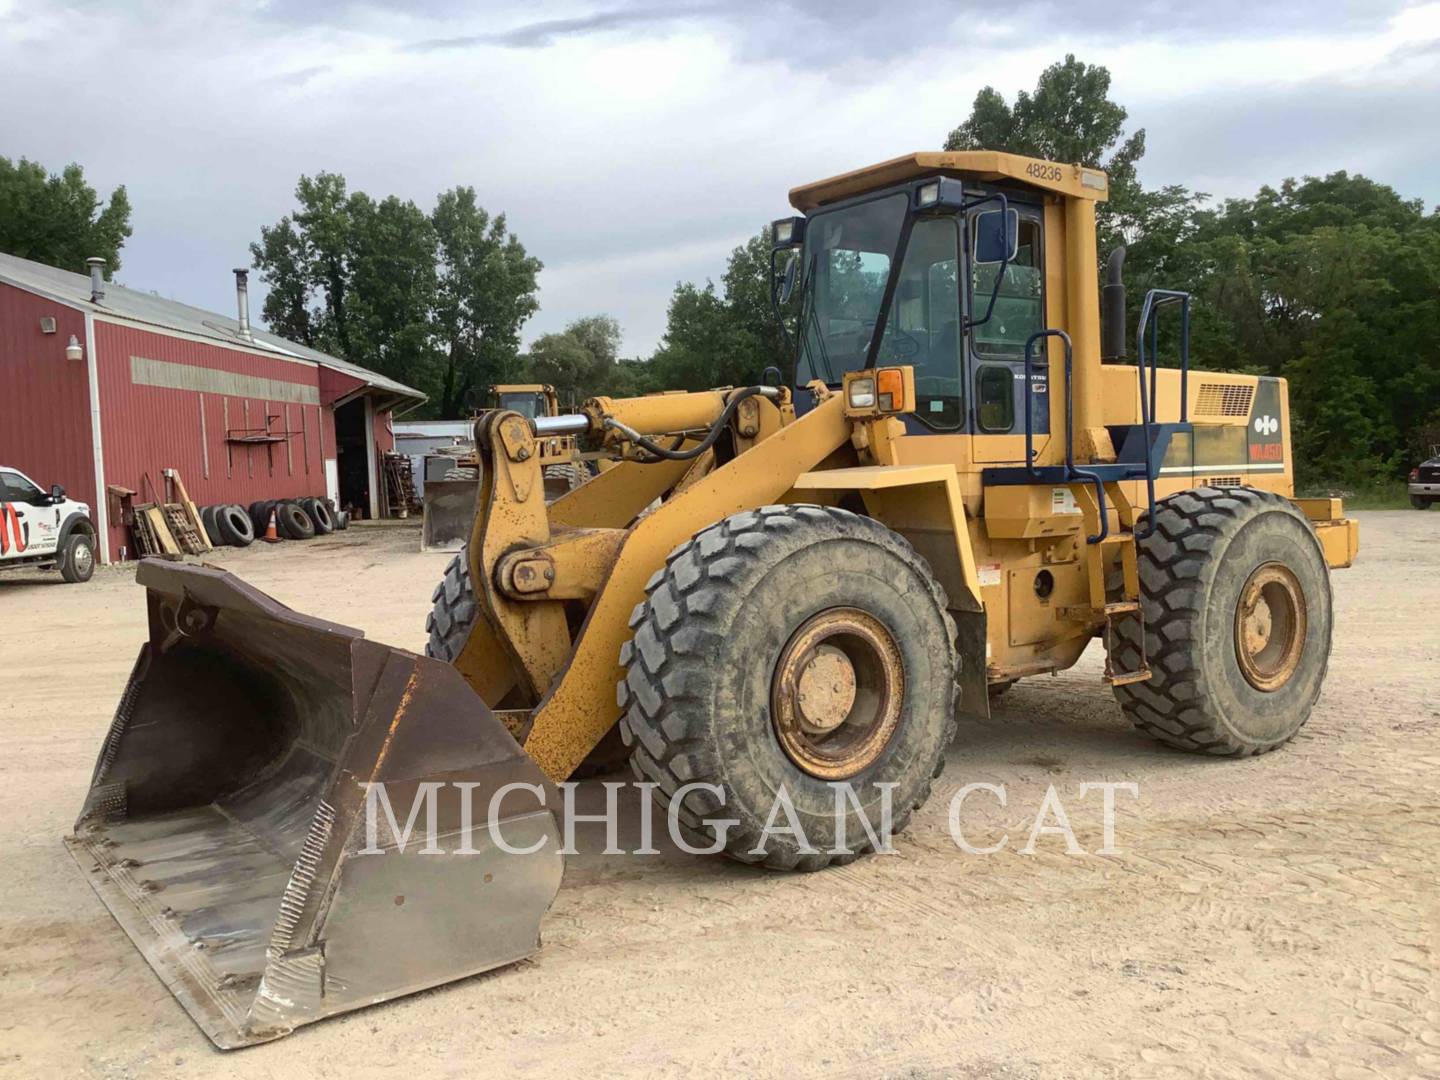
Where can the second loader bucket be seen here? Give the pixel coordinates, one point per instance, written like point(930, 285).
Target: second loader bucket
point(233, 825)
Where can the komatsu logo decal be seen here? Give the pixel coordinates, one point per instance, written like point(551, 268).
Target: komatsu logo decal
point(1266, 425)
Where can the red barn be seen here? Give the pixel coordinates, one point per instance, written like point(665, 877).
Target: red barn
point(103, 385)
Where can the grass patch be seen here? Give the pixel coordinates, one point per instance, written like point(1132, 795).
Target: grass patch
point(1376, 495)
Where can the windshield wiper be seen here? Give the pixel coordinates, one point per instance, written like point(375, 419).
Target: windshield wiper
point(809, 319)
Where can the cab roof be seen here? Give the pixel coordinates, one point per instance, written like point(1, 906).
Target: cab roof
point(1073, 181)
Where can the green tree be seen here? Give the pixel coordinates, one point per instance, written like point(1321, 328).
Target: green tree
point(435, 300)
point(724, 337)
point(58, 219)
point(579, 361)
point(486, 292)
point(1070, 118)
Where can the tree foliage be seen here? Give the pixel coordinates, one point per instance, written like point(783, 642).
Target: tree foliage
point(725, 336)
point(434, 300)
point(1333, 282)
point(59, 219)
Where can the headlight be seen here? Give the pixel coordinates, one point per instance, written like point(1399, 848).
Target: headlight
point(928, 194)
point(861, 393)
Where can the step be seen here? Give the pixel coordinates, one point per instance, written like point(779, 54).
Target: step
point(1128, 677)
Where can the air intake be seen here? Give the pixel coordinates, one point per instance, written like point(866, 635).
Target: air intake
point(1223, 399)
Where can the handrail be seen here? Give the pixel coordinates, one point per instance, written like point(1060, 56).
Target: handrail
point(1155, 300)
point(1071, 472)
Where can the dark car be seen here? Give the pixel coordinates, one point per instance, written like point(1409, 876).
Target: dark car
point(1425, 481)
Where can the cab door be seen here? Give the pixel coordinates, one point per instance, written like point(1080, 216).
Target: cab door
point(996, 337)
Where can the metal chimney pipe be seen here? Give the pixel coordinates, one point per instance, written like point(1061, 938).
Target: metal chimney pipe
point(242, 301)
point(97, 278)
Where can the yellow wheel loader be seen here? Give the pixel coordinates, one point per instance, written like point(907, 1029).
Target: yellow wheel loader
point(449, 503)
point(774, 589)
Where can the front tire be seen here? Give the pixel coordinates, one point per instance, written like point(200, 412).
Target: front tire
point(1236, 597)
point(77, 558)
point(742, 623)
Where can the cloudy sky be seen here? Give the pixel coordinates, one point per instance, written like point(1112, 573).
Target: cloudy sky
point(634, 144)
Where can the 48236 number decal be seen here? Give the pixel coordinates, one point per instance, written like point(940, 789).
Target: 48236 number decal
point(1043, 172)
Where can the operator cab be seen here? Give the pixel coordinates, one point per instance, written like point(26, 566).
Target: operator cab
point(942, 272)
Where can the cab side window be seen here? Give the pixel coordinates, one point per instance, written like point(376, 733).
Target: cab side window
point(1019, 304)
point(15, 488)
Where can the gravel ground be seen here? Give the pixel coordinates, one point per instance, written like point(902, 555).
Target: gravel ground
point(1276, 916)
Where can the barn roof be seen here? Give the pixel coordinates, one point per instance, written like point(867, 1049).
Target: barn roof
point(161, 314)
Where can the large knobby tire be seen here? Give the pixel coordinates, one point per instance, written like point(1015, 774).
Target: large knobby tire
point(77, 558)
point(706, 672)
point(447, 627)
point(452, 611)
point(563, 479)
point(1236, 596)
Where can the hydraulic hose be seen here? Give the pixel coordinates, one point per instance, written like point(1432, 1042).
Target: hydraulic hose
point(660, 453)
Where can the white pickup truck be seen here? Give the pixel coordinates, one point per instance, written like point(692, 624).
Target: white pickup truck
point(48, 531)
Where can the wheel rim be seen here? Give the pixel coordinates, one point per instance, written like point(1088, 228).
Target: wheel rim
point(836, 694)
point(1270, 622)
point(83, 558)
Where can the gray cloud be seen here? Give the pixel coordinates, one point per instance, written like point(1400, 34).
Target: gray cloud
point(537, 35)
point(632, 145)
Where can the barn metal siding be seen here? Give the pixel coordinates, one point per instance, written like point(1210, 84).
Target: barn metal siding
point(44, 398)
point(155, 416)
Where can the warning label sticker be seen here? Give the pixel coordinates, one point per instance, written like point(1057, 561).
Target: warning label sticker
point(988, 573)
point(1062, 501)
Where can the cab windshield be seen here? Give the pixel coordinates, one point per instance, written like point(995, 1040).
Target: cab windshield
point(847, 263)
point(529, 405)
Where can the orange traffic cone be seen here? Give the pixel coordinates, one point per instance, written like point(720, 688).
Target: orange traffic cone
point(272, 535)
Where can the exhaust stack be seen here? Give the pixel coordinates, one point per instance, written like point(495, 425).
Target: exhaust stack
point(242, 302)
point(1112, 308)
point(97, 278)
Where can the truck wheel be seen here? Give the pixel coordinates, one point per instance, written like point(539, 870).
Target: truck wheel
point(292, 523)
point(234, 526)
point(1236, 597)
point(793, 648)
point(320, 515)
point(1421, 502)
point(77, 558)
point(453, 612)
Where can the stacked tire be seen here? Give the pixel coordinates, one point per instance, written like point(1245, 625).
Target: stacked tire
point(227, 524)
point(296, 519)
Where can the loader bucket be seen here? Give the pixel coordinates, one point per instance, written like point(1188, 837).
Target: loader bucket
point(229, 831)
point(449, 513)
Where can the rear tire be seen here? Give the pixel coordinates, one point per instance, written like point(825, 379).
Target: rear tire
point(713, 692)
point(1236, 596)
point(1421, 502)
point(77, 558)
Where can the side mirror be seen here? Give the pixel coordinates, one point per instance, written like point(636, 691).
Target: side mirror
point(997, 236)
point(57, 493)
point(787, 277)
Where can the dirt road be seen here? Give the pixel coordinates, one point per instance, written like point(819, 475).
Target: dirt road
point(1278, 916)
